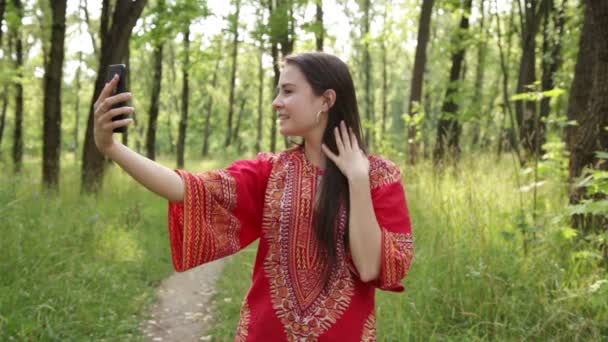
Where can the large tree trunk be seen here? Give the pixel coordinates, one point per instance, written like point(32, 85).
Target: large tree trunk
point(526, 110)
point(449, 128)
point(183, 122)
point(592, 136)
point(113, 48)
point(18, 131)
point(51, 138)
point(235, 47)
point(583, 78)
point(418, 75)
point(207, 132)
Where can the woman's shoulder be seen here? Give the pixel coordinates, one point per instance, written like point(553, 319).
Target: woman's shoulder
point(382, 171)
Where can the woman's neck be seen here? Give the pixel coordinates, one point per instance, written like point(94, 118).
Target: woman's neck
point(314, 154)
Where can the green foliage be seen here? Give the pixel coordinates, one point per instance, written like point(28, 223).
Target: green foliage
point(78, 268)
point(471, 279)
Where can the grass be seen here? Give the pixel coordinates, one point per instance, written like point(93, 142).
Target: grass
point(471, 279)
point(75, 267)
point(78, 268)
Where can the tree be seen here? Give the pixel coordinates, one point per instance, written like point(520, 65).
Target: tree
point(113, 49)
point(319, 29)
point(51, 150)
point(183, 122)
point(157, 57)
point(449, 128)
point(234, 25)
point(418, 75)
point(592, 134)
point(531, 17)
point(18, 131)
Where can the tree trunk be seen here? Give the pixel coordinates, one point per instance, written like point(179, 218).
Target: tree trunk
point(320, 30)
point(258, 140)
point(113, 48)
point(154, 101)
point(2, 10)
point(207, 133)
point(526, 110)
point(77, 105)
point(235, 47)
point(449, 128)
point(183, 123)
point(277, 73)
point(418, 75)
point(583, 78)
point(479, 76)
point(367, 74)
point(235, 132)
point(85, 9)
point(592, 136)
point(18, 131)
point(51, 137)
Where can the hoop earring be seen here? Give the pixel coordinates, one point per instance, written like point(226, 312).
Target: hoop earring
point(318, 113)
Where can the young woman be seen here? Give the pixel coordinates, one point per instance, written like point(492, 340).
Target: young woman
point(332, 220)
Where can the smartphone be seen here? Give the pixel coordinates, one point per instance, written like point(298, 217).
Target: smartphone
point(121, 87)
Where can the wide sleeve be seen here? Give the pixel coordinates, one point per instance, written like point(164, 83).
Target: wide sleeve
point(392, 214)
point(221, 212)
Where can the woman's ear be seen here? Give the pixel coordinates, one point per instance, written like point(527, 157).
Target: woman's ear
point(329, 98)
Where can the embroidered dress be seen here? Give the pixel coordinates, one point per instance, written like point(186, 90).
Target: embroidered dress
point(272, 198)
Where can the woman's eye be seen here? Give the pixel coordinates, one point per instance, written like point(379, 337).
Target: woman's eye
point(286, 91)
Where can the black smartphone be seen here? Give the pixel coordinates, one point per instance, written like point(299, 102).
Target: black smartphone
point(121, 87)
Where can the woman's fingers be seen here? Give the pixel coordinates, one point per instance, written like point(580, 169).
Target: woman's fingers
point(116, 111)
point(329, 153)
point(339, 143)
point(106, 91)
point(345, 136)
point(118, 123)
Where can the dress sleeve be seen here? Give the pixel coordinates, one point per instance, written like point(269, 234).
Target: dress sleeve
point(392, 214)
point(221, 212)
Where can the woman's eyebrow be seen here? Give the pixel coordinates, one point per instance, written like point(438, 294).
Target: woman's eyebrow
point(284, 85)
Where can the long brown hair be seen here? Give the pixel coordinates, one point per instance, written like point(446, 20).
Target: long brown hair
point(324, 71)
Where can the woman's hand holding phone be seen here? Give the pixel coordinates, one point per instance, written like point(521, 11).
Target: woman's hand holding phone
point(103, 112)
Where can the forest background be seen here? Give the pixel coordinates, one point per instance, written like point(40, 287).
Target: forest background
point(496, 110)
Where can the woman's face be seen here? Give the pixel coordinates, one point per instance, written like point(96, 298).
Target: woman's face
point(296, 104)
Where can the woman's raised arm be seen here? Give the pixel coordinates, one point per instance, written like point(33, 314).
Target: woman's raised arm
point(154, 176)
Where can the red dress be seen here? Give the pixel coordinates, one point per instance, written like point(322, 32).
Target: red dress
point(271, 198)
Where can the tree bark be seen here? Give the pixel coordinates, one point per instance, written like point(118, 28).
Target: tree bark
point(583, 78)
point(449, 128)
point(592, 135)
point(320, 30)
point(235, 46)
point(18, 130)
point(154, 101)
point(526, 110)
point(479, 75)
point(207, 133)
point(418, 76)
point(183, 122)
point(113, 48)
point(51, 150)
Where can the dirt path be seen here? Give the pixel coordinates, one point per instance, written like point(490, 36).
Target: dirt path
point(182, 312)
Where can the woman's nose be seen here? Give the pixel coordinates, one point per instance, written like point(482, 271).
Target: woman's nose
point(276, 103)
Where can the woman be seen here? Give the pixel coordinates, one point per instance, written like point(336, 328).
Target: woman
point(333, 221)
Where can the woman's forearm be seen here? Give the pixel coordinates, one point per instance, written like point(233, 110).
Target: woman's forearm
point(154, 176)
point(365, 236)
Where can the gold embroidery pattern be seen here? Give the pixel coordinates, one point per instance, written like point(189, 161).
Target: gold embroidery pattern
point(306, 308)
point(382, 172)
point(398, 255)
point(214, 194)
point(243, 329)
point(369, 329)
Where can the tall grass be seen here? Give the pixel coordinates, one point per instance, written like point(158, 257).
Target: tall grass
point(78, 267)
point(471, 278)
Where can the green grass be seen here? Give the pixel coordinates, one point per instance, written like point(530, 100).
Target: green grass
point(471, 279)
point(76, 268)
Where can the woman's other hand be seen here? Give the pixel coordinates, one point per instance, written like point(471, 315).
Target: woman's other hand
point(103, 113)
point(351, 160)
